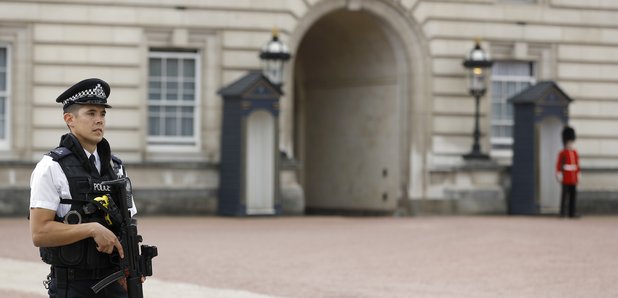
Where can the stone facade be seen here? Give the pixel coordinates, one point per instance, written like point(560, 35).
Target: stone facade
point(375, 115)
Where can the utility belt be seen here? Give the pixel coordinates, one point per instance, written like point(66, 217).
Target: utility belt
point(65, 274)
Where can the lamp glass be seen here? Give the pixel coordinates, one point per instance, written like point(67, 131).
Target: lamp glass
point(476, 81)
point(273, 55)
point(477, 63)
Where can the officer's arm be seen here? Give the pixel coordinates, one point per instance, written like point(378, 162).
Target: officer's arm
point(46, 232)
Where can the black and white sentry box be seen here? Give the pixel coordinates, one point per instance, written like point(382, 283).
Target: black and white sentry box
point(540, 113)
point(249, 169)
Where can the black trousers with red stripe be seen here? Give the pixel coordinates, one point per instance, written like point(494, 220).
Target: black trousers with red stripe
point(568, 201)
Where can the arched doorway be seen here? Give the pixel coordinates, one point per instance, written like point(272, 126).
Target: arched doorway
point(350, 113)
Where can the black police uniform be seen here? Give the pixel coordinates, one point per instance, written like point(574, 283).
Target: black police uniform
point(77, 267)
point(80, 265)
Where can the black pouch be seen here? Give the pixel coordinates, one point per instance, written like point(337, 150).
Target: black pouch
point(72, 254)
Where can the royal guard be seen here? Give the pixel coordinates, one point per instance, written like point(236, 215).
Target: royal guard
point(568, 173)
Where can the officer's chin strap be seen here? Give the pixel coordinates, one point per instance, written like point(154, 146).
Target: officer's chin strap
point(107, 281)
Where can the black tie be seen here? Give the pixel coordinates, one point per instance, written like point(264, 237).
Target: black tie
point(93, 163)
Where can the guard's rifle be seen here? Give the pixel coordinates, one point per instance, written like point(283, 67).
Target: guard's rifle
point(134, 265)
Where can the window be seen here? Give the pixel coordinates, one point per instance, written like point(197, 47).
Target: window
point(173, 98)
point(508, 78)
point(5, 92)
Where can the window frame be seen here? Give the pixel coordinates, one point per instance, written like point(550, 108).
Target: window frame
point(176, 143)
point(5, 142)
point(504, 142)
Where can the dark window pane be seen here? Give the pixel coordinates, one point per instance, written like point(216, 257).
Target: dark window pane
point(494, 130)
point(154, 96)
point(509, 131)
point(188, 91)
point(154, 90)
point(171, 90)
point(170, 126)
point(170, 111)
point(187, 127)
point(188, 97)
point(155, 85)
point(155, 68)
point(172, 68)
point(497, 89)
point(171, 85)
point(154, 122)
point(190, 86)
point(154, 126)
point(3, 57)
point(187, 111)
point(188, 68)
point(509, 111)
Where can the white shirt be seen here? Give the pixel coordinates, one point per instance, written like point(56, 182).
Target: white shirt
point(49, 184)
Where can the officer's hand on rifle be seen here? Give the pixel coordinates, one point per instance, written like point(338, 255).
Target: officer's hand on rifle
point(106, 240)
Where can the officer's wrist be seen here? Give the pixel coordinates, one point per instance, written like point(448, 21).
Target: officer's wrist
point(92, 228)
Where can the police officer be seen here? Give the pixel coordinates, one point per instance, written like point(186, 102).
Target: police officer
point(69, 209)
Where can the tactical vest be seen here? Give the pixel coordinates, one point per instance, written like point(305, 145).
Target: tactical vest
point(84, 188)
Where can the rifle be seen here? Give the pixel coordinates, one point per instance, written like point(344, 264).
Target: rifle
point(134, 265)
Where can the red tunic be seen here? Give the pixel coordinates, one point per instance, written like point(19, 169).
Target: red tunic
point(568, 164)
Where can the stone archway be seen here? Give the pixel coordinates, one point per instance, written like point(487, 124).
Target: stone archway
point(348, 103)
point(395, 175)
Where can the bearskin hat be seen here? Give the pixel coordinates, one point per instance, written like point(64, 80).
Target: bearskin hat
point(568, 134)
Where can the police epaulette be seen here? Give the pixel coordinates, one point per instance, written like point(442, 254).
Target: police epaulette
point(116, 159)
point(59, 153)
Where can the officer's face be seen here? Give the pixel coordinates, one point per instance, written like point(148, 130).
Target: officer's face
point(87, 124)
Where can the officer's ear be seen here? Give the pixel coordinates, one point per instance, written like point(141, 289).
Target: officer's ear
point(68, 118)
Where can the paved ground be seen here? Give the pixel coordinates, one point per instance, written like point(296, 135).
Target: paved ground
point(357, 257)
